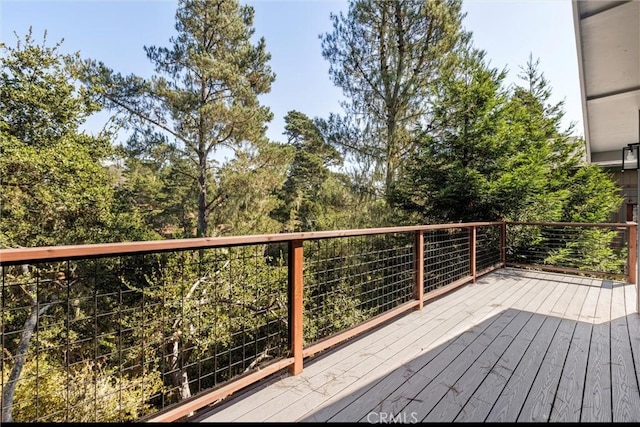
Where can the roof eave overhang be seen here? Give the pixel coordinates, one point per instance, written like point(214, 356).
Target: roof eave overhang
point(608, 51)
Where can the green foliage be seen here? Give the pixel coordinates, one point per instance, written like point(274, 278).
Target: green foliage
point(200, 307)
point(450, 177)
point(495, 156)
point(592, 250)
point(245, 195)
point(352, 279)
point(55, 189)
point(386, 55)
point(95, 394)
point(204, 95)
point(157, 186)
point(594, 195)
point(312, 195)
point(39, 103)
point(339, 310)
point(588, 248)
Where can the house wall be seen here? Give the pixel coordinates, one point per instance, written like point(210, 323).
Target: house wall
point(628, 182)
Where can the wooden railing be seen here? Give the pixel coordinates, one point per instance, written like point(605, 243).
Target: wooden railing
point(297, 284)
point(597, 249)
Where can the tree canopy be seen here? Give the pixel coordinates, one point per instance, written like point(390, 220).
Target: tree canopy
point(203, 97)
point(55, 187)
point(498, 154)
point(430, 133)
point(386, 57)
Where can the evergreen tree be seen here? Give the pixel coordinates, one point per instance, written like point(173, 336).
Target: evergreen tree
point(385, 55)
point(205, 94)
point(496, 156)
point(158, 186)
point(203, 98)
point(55, 189)
point(449, 178)
point(304, 193)
point(545, 177)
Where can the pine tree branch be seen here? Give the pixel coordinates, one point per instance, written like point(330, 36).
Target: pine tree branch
point(146, 118)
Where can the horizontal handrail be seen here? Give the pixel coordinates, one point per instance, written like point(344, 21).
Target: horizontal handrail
point(51, 253)
point(576, 224)
point(363, 277)
point(553, 246)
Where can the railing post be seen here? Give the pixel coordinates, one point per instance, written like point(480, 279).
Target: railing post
point(632, 260)
point(472, 245)
point(633, 253)
point(418, 253)
point(296, 257)
point(503, 244)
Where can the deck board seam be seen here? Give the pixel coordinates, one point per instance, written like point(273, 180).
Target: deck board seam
point(474, 361)
point(540, 291)
point(563, 314)
point(526, 350)
point(586, 374)
point(530, 281)
point(564, 363)
point(480, 335)
point(634, 356)
point(529, 315)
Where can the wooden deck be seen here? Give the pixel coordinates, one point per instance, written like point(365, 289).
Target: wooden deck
point(516, 346)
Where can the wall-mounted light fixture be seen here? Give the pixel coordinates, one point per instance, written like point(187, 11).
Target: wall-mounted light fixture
point(631, 161)
point(631, 157)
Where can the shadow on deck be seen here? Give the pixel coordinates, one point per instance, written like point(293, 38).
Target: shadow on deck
point(517, 346)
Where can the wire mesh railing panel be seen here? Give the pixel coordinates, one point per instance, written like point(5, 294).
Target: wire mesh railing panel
point(119, 338)
point(447, 257)
point(590, 248)
point(351, 279)
point(487, 246)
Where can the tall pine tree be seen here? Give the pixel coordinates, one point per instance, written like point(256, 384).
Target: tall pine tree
point(386, 55)
point(494, 155)
point(204, 95)
point(448, 179)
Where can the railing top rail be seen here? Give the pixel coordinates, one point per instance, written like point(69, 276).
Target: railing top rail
point(577, 224)
point(50, 253)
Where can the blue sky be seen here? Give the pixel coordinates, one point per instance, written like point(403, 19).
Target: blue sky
point(115, 31)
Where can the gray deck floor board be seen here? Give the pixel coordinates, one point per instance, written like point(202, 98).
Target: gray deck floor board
point(457, 396)
point(517, 346)
point(432, 341)
point(539, 401)
point(252, 403)
point(624, 387)
point(567, 405)
point(390, 386)
point(596, 401)
point(513, 396)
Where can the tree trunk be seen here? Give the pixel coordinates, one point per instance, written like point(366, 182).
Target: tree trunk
point(21, 357)
point(179, 376)
point(392, 152)
point(202, 196)
point(389, 181)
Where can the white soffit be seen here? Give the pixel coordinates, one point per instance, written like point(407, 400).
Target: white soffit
point(608, 45)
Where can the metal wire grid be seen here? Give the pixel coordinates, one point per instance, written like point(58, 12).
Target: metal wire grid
point(447, 257)
point(487, 246)
point(589, 248)
point(120, 338)
point(349, 280)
